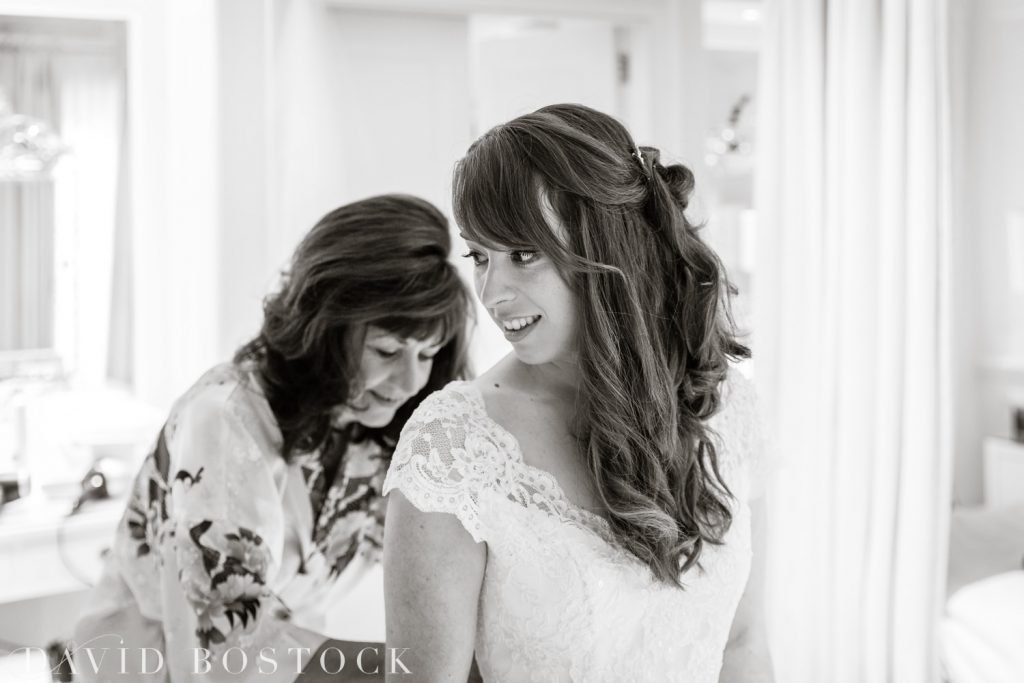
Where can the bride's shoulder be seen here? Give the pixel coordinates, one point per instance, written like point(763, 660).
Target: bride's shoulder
point(738, 423)
point(738, 394)
point(455, 414)
point(457, 393)
point(438, 463)
point(457, 398)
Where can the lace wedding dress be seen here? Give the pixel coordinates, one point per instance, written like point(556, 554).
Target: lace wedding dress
point(560, 601)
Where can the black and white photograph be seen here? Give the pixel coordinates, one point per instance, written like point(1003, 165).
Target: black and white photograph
point(512, 341)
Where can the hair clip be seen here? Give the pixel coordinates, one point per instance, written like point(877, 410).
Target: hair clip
point(639, 156)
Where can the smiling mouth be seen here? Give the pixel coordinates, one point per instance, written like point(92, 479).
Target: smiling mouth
point(382, 398)
point(516, 324)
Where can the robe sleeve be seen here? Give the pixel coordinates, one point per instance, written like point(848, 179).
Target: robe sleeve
point(220, 549)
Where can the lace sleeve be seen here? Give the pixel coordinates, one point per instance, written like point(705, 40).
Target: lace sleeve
point(740, 425)
point(440, 462)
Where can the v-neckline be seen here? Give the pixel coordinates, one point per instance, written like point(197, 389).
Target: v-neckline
point(590, 519)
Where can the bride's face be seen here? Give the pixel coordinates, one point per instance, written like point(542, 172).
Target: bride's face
point(529, 301)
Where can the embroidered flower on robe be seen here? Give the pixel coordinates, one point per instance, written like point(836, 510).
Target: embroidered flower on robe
point(224, 578)
point(351, 519)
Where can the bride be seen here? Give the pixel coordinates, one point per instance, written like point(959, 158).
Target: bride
point(587, 509)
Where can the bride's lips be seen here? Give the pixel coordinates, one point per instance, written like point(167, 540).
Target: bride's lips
point(517, 335)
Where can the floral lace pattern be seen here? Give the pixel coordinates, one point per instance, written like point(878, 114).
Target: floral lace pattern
point(560, 600)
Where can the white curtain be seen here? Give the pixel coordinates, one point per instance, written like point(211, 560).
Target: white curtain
point(852, 333)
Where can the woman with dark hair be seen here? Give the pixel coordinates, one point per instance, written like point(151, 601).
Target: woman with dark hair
point(597, 485)
point(260, 506)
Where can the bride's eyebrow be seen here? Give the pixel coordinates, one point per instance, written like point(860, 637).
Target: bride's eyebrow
point(499, 247)
point(470, 240)
point(480, 243)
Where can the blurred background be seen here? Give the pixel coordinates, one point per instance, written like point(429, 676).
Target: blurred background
point(858, 168)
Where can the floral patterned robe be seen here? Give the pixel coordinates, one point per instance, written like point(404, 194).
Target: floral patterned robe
point(225, 546)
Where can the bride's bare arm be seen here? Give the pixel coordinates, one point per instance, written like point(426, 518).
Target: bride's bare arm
point(433, 570)
point(747, 658)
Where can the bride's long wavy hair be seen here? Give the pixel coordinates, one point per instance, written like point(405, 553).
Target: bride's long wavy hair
point(655, 332)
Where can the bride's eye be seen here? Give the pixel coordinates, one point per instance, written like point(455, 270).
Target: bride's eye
point(523, 257)
point(478, 258)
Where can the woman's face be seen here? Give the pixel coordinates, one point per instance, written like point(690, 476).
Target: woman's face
point(527, 298)
point(392, 370)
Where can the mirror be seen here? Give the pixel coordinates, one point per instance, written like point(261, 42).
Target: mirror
point(62, 89)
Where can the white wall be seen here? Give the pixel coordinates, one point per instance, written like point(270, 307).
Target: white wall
point(247, 265)
point(401, 88)
point(988, 70)
point(524, 63)
point(321, 106)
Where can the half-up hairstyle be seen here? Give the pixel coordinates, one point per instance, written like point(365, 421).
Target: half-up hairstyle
point(381, 261)
point(654, 332)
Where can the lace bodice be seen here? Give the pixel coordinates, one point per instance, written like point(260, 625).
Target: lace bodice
point(560, 600)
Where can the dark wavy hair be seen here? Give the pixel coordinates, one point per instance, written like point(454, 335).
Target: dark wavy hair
point(381, 261)
point(655, 333)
